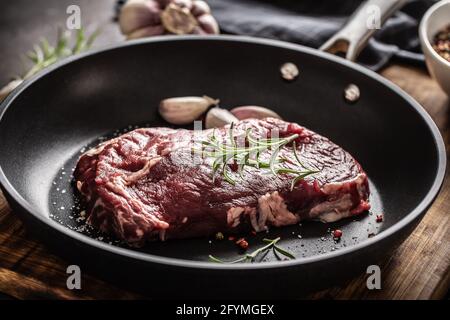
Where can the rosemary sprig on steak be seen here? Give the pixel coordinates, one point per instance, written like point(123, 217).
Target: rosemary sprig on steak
point(227, 154)
point(250, 257)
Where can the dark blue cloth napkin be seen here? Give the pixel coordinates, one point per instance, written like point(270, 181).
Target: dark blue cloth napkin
point(312, 22)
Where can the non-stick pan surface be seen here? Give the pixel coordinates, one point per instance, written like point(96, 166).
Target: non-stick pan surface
point(49, 120)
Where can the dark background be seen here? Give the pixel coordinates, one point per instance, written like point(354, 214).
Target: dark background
point(308, 22)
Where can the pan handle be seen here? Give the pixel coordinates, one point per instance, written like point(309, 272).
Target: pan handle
point(367, 19)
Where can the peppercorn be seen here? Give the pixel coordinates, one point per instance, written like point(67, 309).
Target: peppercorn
point(441, 43)
point(379, 218)
point(242, 243)
point(337, 234)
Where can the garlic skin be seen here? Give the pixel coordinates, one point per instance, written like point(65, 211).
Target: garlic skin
point(200, 8)
point(145, 18)
point(207, 25)
point(137, 14)
point(184, 110)
point(218, 117)
point(255, 112)
point(149, 31)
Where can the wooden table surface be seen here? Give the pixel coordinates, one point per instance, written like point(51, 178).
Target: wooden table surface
point(418, 269)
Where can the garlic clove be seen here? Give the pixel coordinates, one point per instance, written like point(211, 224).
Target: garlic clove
point(184, 110)
point(135, 15)
point(208, 23)
point(256, 112)
point(200, 7)
point(199, 31)
point(183, 3)
point(146, 32)
point(163, 3)
point(218, 117)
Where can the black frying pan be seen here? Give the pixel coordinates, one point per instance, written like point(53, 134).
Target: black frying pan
point(47, 121)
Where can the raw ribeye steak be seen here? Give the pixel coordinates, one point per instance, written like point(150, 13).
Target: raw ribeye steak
point(151, 184)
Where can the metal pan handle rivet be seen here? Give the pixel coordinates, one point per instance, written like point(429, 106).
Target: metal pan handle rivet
point(352, 93)
point(289, 71)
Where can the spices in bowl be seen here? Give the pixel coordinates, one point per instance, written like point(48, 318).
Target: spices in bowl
point(433, 22)
point(442, 43)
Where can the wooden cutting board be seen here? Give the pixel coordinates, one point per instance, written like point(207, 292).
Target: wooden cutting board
point(418, 269)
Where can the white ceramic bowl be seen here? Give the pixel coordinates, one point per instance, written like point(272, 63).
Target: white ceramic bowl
point(435, 19)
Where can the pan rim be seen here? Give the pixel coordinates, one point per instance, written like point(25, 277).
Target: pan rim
point(183, 263)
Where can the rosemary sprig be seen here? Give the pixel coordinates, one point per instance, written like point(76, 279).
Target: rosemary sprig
point(229, 153)
point(44, 55)
point(250, 257)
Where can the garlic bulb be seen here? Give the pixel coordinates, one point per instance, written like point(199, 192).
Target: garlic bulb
point(218, 117)
point(256, 112)
point(184, 110)
point(137, 14)
point(178, 20)
point(145, 18)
